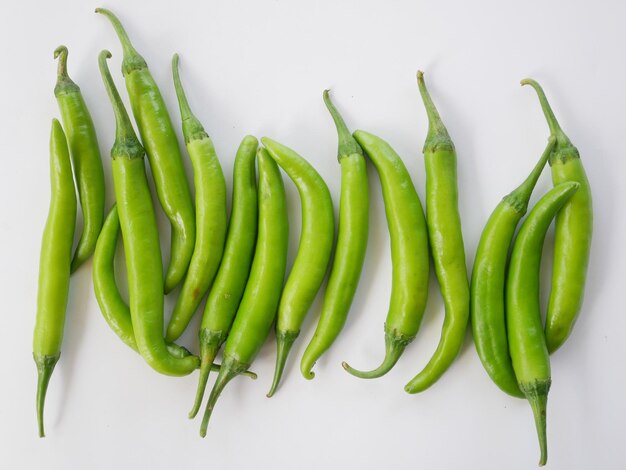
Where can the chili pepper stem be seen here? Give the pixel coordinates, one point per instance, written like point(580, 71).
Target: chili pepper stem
point(229, 370)
point(537, 395)
point(437, 132)
point(132, 59)
point(394, 347)
point(45, 366)
point(207, 355)
point(284, 342)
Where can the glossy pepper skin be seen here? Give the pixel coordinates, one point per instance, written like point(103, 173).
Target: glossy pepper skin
point(351, 244)
point(54, 266)
point(141, 240)
point(230, 281)
point(258, 306)
point(409, 252)
point(316, 244)
point(446, 243)
point(161, 145)
point(572, 234)
point(211, 218)
point(488, 315)
point(527, 344)
point(85, 154)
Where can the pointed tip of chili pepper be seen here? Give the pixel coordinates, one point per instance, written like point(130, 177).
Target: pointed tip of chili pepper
point(394, 347)
point(306, 366)
point(45, 367)
point(284, 342)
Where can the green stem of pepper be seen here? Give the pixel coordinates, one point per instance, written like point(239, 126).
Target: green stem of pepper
point(285, 340)
point(45, 367)
point(132, 59)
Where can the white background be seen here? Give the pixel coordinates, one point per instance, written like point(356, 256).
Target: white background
point(259, 67)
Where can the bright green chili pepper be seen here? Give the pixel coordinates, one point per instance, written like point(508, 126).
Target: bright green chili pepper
point(351, 244)
point(488, 280)
point(446, 242)
point(230, 281)
point(257, 310)
point(409, 251)
point(527, 344)
point(85, 155)
point(316, 243)
point(211, 218)
point(166, 163)
point(54, 266)
point(113, 307)
point(572, 235)
point(141, 240)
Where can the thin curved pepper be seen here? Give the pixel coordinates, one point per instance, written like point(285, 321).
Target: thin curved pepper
point(527, 344)
point(257, 309)
point(54, 267)
point(488, 315)
point(230, 281)
point(316, 243)
point(161, 145)
point(409, 252)
point(141, 240)
point(572, 234)
point(351, 244)
point(446, 243)
point(85, 154)
point(211, 218)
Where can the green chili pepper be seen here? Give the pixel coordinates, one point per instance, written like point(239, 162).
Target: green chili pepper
point(141, 240)
point(409, 251)
point(258, 306)
point(54, 266)
point(112, 305)
point(316, 243)
point(351, 244)
point(446, 242)
point(85, 155)
point(230, 281)
point(211, 218)
point(488, 279)
point(572, 235)
point(166, 163)
point(527, 344)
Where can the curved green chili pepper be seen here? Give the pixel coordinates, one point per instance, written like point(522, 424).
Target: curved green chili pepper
point(257, 310)
point(446, 242)
point(211, 218)
point(527, 344)
point(141, 240)
point(166, 163)
point(488, 280)
point(316, 243)
point(54, 266)
point(85, 155)
point(351, 244)
point(409, 251)
point(572, 234)
point(112, 305)
point(230, 281)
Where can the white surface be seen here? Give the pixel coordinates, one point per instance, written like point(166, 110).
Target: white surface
point(259, 67)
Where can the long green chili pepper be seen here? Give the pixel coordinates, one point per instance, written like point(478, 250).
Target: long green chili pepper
point(141, 240)
point(527, 344)
point(85, 155)
point(211, 218)
point(161, 145)
point(351, 244)
point(314, 250)
point(446, 242)
point(257, 310)
point(572, 235)
point(488, 280)
point(54, 266)
point(113, 307)
point(409, 251)
point(230, 281)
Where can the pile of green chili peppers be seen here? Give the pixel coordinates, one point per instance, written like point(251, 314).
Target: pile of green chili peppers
point(239, 264)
